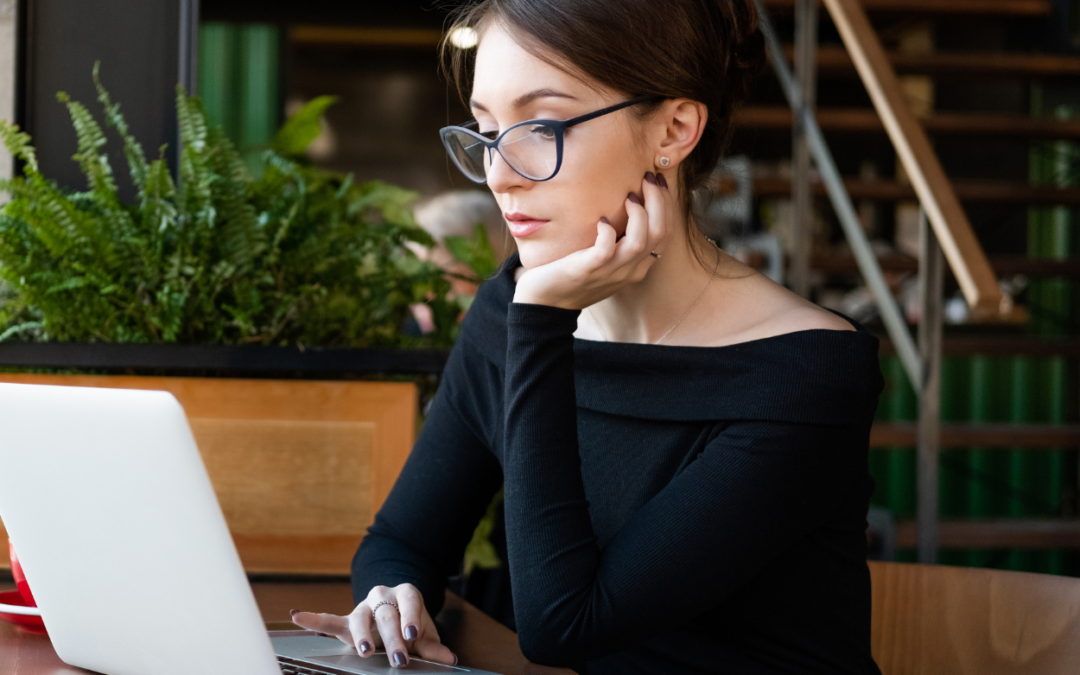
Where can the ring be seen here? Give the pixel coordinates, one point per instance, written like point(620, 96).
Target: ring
point(384, 602)
point(654, 254)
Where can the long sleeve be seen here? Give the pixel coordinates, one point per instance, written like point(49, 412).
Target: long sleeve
point(420, 533)
point(756, 488)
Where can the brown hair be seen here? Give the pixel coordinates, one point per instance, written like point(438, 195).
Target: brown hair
point(704, 50)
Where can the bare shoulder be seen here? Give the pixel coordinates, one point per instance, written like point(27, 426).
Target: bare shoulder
point(768, 310)
point(809, 317)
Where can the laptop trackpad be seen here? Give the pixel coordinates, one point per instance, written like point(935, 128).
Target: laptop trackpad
point(379, 664)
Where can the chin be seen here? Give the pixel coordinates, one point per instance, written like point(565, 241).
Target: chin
point(537, 253)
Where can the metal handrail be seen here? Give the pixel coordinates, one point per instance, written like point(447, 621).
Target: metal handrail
point(865, 258)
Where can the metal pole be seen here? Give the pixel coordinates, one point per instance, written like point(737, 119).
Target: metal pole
point(845, 210)
point(806, 20)
point(931, 289)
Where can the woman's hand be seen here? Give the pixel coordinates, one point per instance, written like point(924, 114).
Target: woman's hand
point(406, 629)
point(590, 275)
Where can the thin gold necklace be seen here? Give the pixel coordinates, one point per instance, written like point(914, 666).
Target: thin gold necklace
point(685, 314)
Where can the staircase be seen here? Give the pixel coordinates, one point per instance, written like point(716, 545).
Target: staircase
point(974, 72)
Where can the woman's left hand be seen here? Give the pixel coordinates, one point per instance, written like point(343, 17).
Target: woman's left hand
point(592, 274)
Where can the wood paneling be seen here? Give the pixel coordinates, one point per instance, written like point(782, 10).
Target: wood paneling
point(299, 467)
point(835, 59)
point(863, 120)
point(990, 435)
point(961, 621)
point(931, 7)
point(997, 533)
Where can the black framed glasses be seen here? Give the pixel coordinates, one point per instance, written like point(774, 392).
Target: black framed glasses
point(533, 148)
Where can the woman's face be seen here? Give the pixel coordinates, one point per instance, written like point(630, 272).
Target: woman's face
point(604, 159)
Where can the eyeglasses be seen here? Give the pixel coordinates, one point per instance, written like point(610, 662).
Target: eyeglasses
point(534, 148)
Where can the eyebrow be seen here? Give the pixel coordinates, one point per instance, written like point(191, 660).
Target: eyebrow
point(526, 99)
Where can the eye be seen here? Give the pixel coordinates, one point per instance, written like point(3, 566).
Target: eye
point(490, 135)
point(543, 131)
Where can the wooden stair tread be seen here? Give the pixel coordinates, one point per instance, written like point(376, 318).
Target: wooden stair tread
point(988, 435)
point(997, 533)
point(1018, 8)
point(866, 120)
point(972, 191)
point(834, 59)
point(999, 345)
point(844, 263)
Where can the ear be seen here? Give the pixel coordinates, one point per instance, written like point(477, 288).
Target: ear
point(681, 121)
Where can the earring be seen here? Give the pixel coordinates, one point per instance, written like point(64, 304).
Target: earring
point(664, 161)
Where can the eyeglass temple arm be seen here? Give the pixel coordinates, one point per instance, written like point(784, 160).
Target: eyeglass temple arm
point(609, 109)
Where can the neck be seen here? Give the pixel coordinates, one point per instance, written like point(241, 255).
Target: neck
point(645, 311)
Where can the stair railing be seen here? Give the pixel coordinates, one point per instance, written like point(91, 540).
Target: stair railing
point(944, 228)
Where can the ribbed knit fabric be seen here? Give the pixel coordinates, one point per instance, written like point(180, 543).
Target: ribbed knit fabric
point(668, 509)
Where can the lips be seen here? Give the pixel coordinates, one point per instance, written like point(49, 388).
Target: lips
point(522, 225)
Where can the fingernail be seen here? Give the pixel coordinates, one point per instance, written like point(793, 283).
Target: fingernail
point(660, 179)
point(410, 632)
point(293, 612)
point(365, 647)
point(399, 658)
point(634, 198)
point(650, 178)
point(604, 220)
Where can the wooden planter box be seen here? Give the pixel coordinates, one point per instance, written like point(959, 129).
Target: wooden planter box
point(300, 467)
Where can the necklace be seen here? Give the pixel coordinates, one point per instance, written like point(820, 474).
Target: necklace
point(685, 314)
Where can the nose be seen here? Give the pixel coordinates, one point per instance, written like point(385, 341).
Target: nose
point(500, 177)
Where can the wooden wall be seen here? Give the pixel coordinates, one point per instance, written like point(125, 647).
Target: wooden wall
point(299, 467)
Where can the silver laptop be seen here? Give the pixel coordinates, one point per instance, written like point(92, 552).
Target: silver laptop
point(122, 540)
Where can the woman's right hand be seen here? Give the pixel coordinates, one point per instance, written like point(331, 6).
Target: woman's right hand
point(401, 624)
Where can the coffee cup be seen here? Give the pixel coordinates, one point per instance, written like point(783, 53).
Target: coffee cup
point(20, 577)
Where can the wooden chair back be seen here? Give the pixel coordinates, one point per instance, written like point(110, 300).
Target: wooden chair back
point(930, 619)
point(299, 467)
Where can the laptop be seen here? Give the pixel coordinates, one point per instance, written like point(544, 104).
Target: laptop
point(106, 498)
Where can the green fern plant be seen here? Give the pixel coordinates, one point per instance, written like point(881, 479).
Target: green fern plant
point(297, 255)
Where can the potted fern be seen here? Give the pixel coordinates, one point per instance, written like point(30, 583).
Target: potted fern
point(294, 258)
point(230, 271)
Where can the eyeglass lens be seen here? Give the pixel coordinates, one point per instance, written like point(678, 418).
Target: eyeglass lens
point(530, 149)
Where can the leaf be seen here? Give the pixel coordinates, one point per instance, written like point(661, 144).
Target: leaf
point(476, 252)
point(298, 132)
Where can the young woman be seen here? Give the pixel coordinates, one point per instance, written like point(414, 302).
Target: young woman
point(683, 442)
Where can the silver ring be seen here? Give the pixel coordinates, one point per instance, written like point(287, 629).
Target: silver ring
point(384, 602)
point(654, 254)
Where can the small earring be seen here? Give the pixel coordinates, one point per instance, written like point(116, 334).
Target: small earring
point(664, 161)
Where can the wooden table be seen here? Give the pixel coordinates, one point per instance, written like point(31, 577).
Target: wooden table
point(478, 640)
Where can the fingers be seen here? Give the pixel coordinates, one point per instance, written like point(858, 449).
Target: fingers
point(428, 645)
point(411, 606)
point(388, 624)
point(329, 624)
point(658, 207)
point(632, 246)
point(360, 625)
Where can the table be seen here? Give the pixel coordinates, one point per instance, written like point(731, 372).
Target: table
point(477, 639)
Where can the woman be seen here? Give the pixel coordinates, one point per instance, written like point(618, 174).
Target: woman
point(683, 442)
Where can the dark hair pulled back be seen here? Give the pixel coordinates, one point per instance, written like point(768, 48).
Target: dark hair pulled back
point(704, 50)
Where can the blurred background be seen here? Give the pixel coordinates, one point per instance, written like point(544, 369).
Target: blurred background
point(996, 85)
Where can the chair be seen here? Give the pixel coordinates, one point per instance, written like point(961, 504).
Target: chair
point(931, 619)
point(299, 467)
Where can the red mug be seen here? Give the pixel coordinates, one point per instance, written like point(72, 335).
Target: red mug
point(20, 577)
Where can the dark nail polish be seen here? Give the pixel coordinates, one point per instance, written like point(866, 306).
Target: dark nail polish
point(661, 180)
point(365, 647)
point(634, 198)
point(410, 632)
point(399, 658)
point(650, 178)
point(293, 612)
point(605, 220)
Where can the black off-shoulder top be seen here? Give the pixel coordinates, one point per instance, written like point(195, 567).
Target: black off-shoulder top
point(668, 509)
